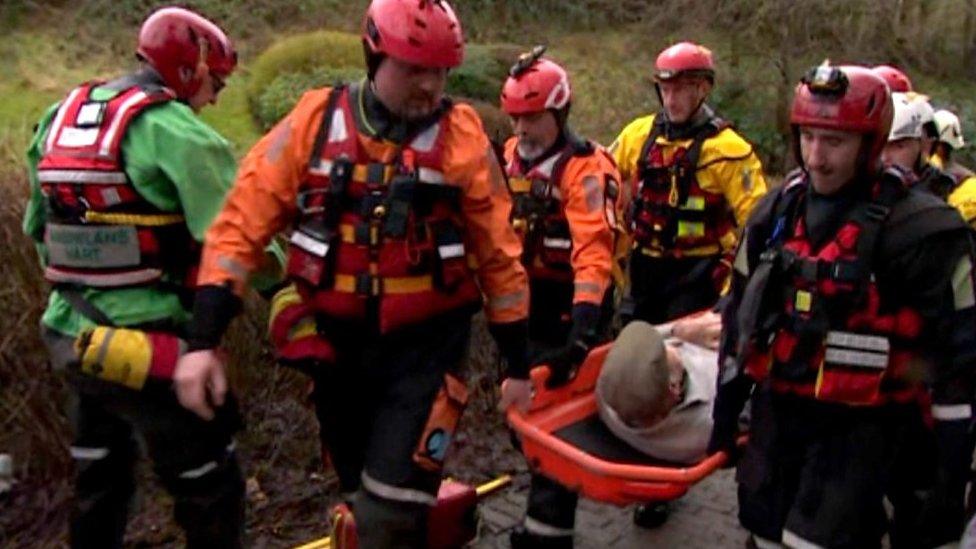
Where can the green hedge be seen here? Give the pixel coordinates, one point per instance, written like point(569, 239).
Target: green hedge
point(278, 98)
point(303, 54)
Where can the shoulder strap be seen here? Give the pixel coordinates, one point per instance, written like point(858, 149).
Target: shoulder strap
point(330, 106)
point(785, 209)
point(707, 131)
point(147, 80)
point(872, 215)
point(657, 130)
point(689, 165)
point(575, 146)
point(759, 309)
point(78, 302)
point(919, 218)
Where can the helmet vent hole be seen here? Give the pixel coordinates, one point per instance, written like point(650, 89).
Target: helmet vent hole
point(414, 42)
point(871, 105)
point(419, 22)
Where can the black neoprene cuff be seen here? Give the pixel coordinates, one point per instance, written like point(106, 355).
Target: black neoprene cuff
point(213, 309)
point(513, 343)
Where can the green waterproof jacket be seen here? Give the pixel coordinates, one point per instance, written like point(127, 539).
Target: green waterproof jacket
point(176, 162)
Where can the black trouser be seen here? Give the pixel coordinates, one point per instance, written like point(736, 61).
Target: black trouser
point(551, 508)
point(912, 482)
point(663, 289)
point(818, 472)
point(194, 458)
point(373, 405)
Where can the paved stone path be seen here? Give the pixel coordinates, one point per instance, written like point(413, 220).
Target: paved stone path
point(705, 517)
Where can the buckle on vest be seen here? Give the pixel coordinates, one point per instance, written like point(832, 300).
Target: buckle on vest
point(375, 173)
point(340, 175)
point(305, 197)
point(368, 285)
point(876, 212)
point(369, 204)
point(844, 271)
point(770, 255)
point(540, 188)
point(362, 231)
point(812, 270)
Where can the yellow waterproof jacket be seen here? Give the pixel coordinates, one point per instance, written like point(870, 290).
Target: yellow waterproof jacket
point(963, 198)
point(727, 166)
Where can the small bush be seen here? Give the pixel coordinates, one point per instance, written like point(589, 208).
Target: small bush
point(284, 91)
point(304, 53)
point(483, 72)
point(496, 122)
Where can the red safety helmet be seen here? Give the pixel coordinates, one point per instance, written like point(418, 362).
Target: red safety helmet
point(535, 84)
point(421, 32)
point(846, 98)
point(177, 41)
point(684, 59)
point(897, 80)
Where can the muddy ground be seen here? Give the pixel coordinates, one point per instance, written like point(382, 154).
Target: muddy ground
point(289, 491)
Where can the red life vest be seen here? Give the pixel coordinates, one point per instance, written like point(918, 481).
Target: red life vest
point(538, 215)
point(833, 335)
point(379, 239)
point(100, 232)
point(671, 214)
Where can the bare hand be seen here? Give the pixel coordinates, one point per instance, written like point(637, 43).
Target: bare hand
point(517, 392)
point(200, 382)
point(702, 329)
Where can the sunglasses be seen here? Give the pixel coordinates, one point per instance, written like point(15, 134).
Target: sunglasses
point(217, 82)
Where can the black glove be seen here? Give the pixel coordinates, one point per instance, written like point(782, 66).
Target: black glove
point(512, 339)
point(213, 309)
point(729, 401)
point(564, 361)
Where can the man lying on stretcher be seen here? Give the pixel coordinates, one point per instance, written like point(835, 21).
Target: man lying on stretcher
point(655, 392)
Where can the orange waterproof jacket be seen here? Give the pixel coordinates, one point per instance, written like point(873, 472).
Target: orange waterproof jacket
point(566, 210)
point(264, 201)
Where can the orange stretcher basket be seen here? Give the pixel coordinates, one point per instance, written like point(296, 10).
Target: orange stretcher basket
point(563, 438)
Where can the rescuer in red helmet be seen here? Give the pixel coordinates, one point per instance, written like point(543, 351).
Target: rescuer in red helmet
point(692, 181)
point(897, 80)
point(399, 224)
point(125, 179)
point(565, 191)
point(852, 318)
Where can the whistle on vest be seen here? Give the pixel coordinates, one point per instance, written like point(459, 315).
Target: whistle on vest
point(673, 197)
point(127, 357)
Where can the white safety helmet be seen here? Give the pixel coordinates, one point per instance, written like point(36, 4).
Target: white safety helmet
point(950, 130)
point(907, 121)
point(926, 112)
